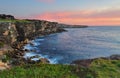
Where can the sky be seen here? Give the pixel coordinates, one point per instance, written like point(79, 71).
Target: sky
point(83, 12)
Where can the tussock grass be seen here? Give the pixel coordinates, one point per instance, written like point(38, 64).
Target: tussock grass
point(106, 68)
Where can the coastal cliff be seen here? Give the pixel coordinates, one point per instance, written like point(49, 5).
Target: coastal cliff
point(14, 34)
point(11, 32)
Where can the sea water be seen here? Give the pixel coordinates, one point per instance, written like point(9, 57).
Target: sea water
point(76, 43)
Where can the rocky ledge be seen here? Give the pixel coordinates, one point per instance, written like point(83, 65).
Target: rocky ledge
point(87, 62)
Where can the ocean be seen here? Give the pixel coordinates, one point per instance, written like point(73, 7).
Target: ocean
point(76, 43)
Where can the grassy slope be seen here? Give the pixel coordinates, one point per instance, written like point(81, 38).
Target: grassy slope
point(99, 69)
point(39, 71)
point(46, 71)
point(106, 68)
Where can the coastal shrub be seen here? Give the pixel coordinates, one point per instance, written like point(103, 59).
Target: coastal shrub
point(83, 72)
point(7, 56)
point(106, 68)
point(1, 44)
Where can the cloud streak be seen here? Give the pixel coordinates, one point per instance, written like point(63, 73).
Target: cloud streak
point(89, 17)
point(48, 1)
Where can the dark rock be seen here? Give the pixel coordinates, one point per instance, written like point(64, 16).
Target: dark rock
point(37, 56)
point(83, 63)
point(115, 57)
point(29, 61)
point(27, 50)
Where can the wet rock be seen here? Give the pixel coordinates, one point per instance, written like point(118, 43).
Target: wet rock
point(29, 61)
point(31, 44)
point(37, 56)
point(26, 50)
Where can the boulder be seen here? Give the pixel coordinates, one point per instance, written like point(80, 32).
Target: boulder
point(44, 60)
point(115, 57)
point(37, 56)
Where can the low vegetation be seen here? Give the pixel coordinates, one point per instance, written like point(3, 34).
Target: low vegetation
point(47, 71)
point(14, 20)
point(99, 68)
point(1, 44)
point(106, 68)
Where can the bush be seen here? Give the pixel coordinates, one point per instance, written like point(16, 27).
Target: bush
point(1, 44)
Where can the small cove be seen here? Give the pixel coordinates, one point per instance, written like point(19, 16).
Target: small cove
point(77, 43)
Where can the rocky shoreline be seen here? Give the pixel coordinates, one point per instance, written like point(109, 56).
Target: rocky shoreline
point(16, 33)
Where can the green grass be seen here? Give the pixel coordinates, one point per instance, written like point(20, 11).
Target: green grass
point(46, 71)
point(99, 68)
point(39, 71)
point(14, 21)
point(106, 68)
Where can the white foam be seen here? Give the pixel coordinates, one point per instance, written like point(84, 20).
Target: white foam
point(35, 43)
point(30, 54)
point(35, 59)
point(28, 46)
point(53, 61)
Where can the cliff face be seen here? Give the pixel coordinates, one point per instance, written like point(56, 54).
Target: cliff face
point(16, 33)
point(8, 33)
point(11, 32)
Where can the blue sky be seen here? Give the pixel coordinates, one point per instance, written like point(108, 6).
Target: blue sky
point(64, 9)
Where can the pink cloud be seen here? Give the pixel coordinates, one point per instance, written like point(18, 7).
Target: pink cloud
point(89, 17)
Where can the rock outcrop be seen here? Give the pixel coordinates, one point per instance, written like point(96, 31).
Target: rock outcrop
point(11, 32)
point(3, 66)
point(3, 16)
